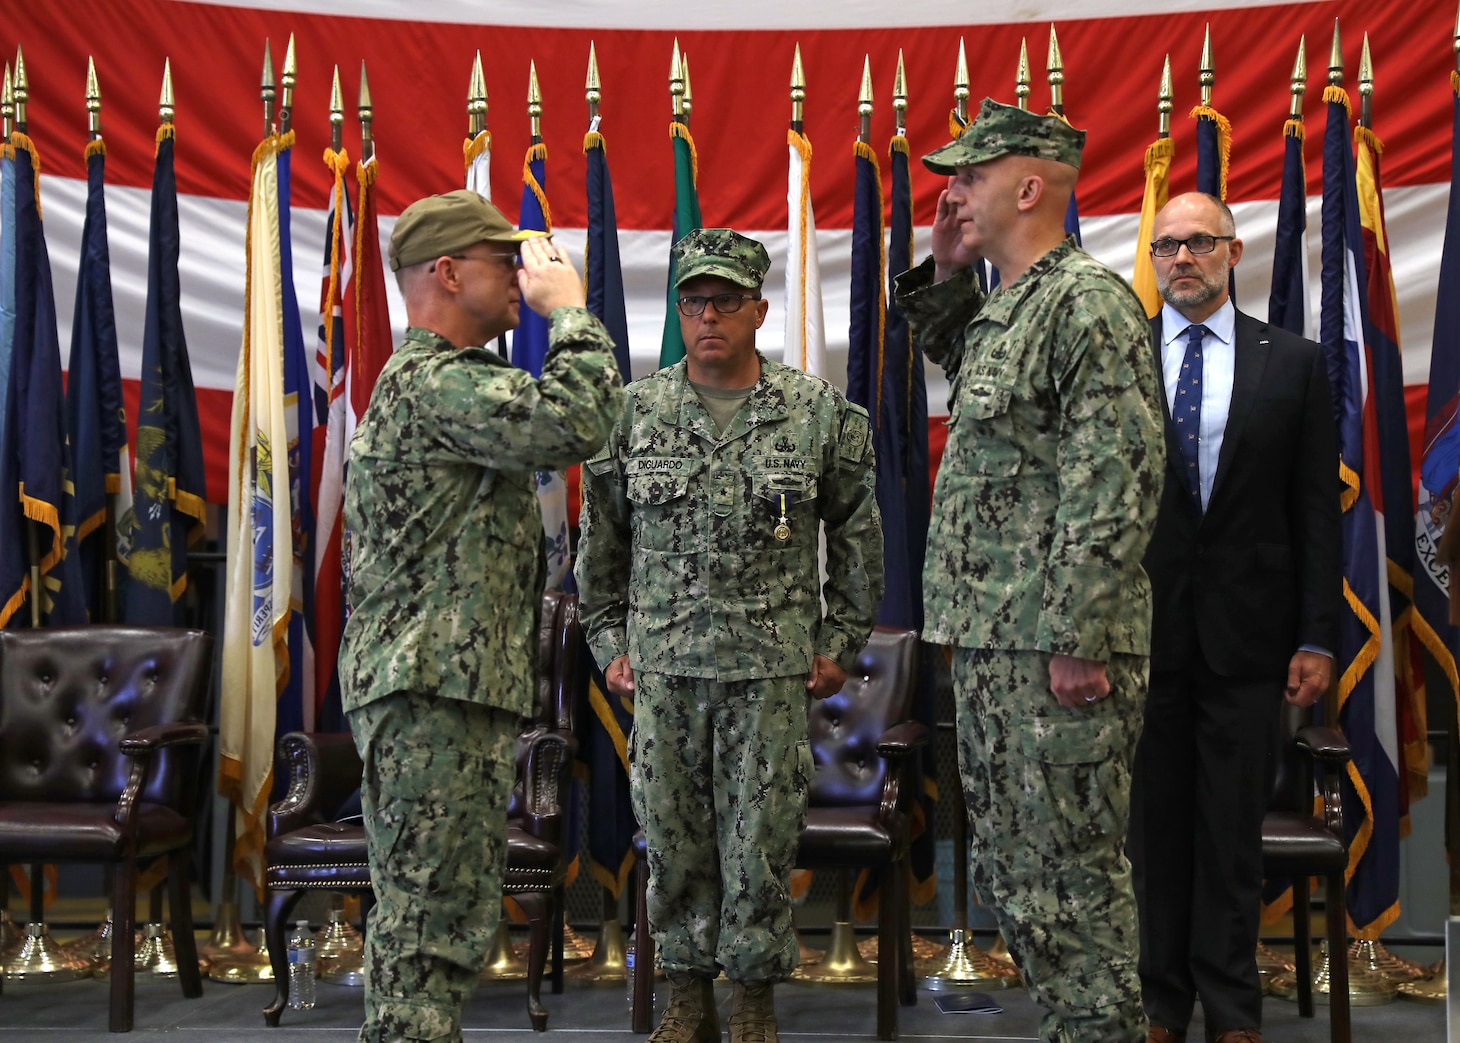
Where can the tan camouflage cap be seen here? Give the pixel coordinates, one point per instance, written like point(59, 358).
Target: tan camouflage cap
point(439, 226)
point(1002, 130)
point(723, 252)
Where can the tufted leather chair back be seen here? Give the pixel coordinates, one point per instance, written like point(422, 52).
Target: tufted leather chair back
point(559, 641)
point(69, 694)
point(845, 727)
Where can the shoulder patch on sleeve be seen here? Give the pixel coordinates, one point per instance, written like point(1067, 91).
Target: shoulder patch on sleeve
point(856, 434)
point(601, 462)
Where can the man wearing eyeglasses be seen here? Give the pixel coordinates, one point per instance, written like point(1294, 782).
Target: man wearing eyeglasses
point(1245, 576)
point(702, 598)
point(439, 658)
point(1045, 498)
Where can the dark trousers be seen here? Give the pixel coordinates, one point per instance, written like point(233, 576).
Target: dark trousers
point(1203, 773)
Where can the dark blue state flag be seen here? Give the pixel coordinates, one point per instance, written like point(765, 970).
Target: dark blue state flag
point(167, 514)
point(1287, 302)
point(602, 271)
point(37, 508)
point(96, 420)
point(1213, 154)
point(1367, 712)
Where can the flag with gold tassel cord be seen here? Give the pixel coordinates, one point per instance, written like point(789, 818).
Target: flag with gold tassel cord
point(1213, 158)
point(1365, 663)
point(529, 348)
point(96, 420)
point(168, 493)
point(367, 318)
point(477, 152)
point(686, 219)
point(38, 519)
point(1392, 429)
point(330, 450)
point(805, 321)
point(259, 533)
point(1159, 155)
point(1287, 302)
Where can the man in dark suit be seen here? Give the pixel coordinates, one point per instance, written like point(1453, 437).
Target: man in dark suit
point(1245, 576)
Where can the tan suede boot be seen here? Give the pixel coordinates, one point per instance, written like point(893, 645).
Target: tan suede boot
point(691, 1016)
point(753, 1014)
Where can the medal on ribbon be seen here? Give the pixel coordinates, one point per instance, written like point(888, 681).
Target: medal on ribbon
point(782, 531)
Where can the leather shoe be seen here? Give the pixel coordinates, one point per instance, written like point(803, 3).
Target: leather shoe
point(1240, 1036)
point(1160, 1035)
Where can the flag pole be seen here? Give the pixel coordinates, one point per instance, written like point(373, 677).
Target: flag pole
point(286, 89)
point(1021, 76)
point(367, 118)
point(798, 93)
point(337, 114)
point(1055, 69)
point(864, 103)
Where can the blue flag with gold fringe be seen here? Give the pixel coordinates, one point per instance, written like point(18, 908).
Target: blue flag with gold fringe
point(167, 514)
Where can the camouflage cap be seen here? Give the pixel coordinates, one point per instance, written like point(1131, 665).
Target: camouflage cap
point(1003, 130)
point(723, 252)
point(439, 226)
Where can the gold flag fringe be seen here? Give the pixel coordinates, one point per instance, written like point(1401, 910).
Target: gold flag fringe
point(338, 163)
point(1294, 129)
point(1333, 93)
point(592, 140)
point(471, 148)
point(534, 153)
point(21, 141)
point(93, 148)
point(680, 130)
point(1224, 141)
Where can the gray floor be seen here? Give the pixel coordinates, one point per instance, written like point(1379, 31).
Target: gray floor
point(231, 1013)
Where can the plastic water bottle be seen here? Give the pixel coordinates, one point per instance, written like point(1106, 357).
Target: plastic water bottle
point(629, 971)
point(301, 967)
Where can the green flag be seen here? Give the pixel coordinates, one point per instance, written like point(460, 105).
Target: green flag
point(686, 219)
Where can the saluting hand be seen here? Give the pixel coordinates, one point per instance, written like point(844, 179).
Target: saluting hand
point(547, 278)
point(949, 253)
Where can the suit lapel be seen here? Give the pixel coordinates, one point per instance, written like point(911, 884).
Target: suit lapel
point(1251, 347)
point(1173, 448)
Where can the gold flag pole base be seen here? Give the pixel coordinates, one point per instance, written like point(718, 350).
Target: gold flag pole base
point(1271, 964)
point(576, 948)
point(841, 964)
point(1377, 958)
point(1429, 990)
point(341, 951)
point(227, 942)
point(503, 964)
point(11, 937)
point(247, 968)
point(157, 955)
point(967, 966)
point(1365, 988)
point(606, 965)
point(922, 949)
point(96, 946)
point(41, 958)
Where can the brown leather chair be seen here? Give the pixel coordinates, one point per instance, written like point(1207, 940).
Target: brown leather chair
point(100, 731)
point(1298, 844)
point(859, 810)
point(317, 841)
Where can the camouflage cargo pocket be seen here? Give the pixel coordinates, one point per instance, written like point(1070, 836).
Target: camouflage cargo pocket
point(1082, 789)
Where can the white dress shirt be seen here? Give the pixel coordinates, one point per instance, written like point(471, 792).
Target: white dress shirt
point(1219, 359)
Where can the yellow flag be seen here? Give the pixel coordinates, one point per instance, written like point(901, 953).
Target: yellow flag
point(1158, 170)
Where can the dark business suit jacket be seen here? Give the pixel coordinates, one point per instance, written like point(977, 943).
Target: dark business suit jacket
point(1259, 574)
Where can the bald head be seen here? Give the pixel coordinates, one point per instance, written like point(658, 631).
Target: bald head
point(1194, 247)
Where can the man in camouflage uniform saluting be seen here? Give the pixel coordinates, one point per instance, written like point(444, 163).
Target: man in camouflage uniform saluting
point(438, 662)
point(702, 598)
point(1044, 502)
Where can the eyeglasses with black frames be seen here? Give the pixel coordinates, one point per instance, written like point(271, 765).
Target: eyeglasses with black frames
point(725, 303)
point(1196, 244)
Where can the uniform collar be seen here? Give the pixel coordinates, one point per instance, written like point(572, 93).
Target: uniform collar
point(767, 402)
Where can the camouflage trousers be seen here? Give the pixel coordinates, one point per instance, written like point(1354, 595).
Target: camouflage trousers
point(1048, 795)
point(438, 773)
point(719, 773)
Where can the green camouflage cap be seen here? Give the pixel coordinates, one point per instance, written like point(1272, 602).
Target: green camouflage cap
point(439, 226)
point(1003, 130)
point(723, 252)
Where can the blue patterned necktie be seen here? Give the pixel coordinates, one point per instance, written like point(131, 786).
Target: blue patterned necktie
point(1187, 411)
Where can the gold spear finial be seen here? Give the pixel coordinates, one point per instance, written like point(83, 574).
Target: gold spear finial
point(1298, 81)
point(367, 117)
point(1163, 101)
point(22, 91)
point(676, 83)
point(165, 107)
point(864, 101)
point(93, 100)
point(534, 102)
point(960, 85)
point(592, 89)
point(7, 101)
point(476, 98)
point(1208, 75)
point(1056, 69)
point(899, 98)
point(267, 90)
point(1366, 85)
point(689, 94)
point(1335, 59)
point(798, 91)
point(286, 89)
point(337, 113)
point(1021, 77)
